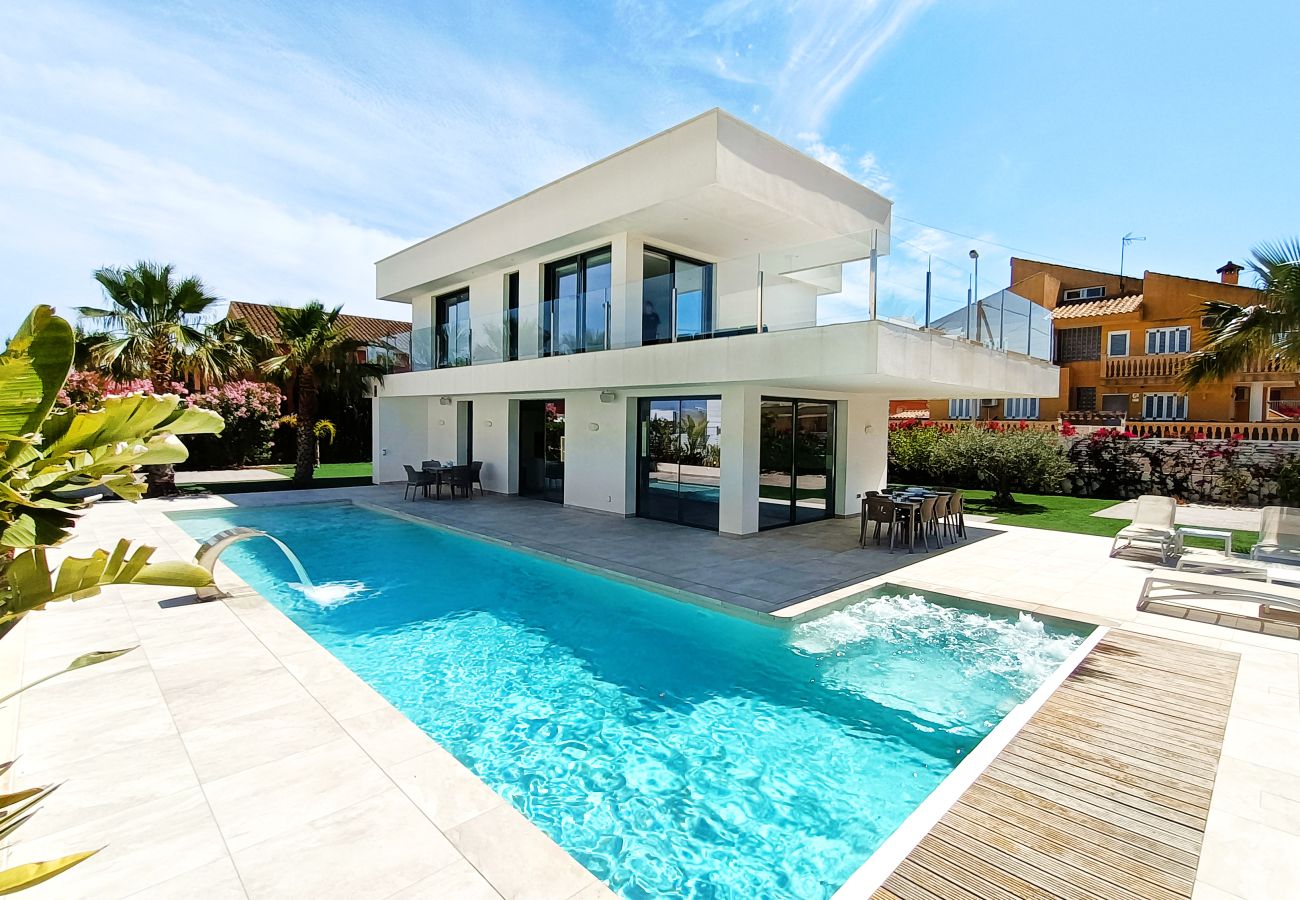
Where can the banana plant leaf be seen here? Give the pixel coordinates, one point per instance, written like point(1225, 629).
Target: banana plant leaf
point(32, 583)
point(86, 659)
point(32, 371)
point(27, 875)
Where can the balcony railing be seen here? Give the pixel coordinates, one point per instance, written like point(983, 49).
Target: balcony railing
point(843, 279)
point(1163, 366)
point(1269, 365)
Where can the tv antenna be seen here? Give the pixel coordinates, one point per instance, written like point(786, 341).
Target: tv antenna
point(1123, 245)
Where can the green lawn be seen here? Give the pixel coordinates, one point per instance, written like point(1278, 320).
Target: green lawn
point(1074, 514)
point(333, 470)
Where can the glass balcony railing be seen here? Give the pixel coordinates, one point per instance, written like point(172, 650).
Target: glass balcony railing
point(802, 287)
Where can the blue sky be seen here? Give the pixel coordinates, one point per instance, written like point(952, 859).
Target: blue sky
point(277, 150)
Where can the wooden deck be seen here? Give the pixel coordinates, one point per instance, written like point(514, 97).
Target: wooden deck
point(1103, 794)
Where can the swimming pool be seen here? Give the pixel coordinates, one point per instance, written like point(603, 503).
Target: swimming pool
point(672, 749)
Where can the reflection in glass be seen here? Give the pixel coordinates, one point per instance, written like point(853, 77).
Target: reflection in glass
point(680, 460)
point(541, 449)
point(796, 461)
point(677, 297)
point(452, 329)
point(575, 306)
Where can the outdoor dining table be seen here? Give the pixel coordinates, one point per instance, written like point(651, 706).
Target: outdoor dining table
point(913, 504)
point(439, 472)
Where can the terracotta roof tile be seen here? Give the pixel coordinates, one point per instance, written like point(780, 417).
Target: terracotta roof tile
point(1090, 308)
point(261, 319)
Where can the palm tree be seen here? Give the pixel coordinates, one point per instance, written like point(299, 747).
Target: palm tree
point(315, 355)
point(1266, 331)
point(152, 329)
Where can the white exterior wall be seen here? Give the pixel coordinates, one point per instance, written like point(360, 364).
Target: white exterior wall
point(600, 461)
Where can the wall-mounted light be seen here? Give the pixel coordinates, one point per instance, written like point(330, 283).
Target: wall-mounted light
point(442, 421)
point(488, 423)
point(593, 426)
point(608, 396)
point(445, 401)
point(866, 429)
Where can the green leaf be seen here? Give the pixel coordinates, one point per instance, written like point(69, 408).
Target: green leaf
point(29, 874)
point(32, 584)
point(96, 657)
point(32, 371)
point(86, 659)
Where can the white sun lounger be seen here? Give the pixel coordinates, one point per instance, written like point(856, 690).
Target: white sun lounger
point(1153, 525)
point(1180, 587)
point(1279, 535)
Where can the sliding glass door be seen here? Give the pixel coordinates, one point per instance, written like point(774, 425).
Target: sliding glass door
point(575, 306)
point(680, 460)
point(796, 461)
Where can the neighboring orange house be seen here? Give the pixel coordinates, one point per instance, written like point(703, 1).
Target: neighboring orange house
point(1121, 344)
point(378, 332)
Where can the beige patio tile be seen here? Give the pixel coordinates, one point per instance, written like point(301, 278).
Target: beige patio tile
point(275, 797)
point(517, 859)
point(387, 735)
point(441, 786)
point(101, 783)
point(459, 880)
point(260, 737)
point(370, 849)
point(144, 845)
point(215, 881)
point(1248, 859)
point(225, 699)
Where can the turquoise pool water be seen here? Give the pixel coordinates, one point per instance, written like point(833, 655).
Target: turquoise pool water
point(673, 750)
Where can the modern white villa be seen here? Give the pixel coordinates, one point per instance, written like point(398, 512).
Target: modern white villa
point(646, 337)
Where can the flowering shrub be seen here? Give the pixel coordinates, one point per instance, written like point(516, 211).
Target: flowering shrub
point(84, 391)
point(250, 410)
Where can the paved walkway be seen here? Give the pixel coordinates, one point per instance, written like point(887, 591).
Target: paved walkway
point(230, 755)
point(228, 476)
point(1234, 518)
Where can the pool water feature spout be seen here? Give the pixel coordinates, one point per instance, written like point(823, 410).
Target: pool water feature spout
point(211, 549)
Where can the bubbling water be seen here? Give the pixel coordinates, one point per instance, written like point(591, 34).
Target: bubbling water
point(334, 593)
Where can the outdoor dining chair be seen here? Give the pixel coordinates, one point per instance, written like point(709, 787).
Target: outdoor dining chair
point(460, 478)
point(417, 481)
point(476, 472)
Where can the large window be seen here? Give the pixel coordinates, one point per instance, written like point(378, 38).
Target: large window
point(575, 306)
point(1020, 408)
point(1164, 407)
point(1169, 340)
point(796, 462)
point(451, 331)
point(676, 297)
point(1078, 344)
point(512, 315)
point(962, 409)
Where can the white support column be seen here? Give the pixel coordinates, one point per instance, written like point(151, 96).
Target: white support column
point(738, 509)
point(864, 454)
point(627, 269)
point(1258, 396)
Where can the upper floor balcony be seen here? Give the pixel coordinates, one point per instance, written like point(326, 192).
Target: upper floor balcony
point(824, 285)
point(1154, 368)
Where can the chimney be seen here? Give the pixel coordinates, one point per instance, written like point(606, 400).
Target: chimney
point(1228, 272)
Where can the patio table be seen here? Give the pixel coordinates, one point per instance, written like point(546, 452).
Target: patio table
point(439, 473)
point(1218, 534)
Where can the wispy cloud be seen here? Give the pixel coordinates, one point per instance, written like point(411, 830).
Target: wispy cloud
point(835, 44)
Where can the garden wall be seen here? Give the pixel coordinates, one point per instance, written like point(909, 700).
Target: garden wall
point(1241, 473)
